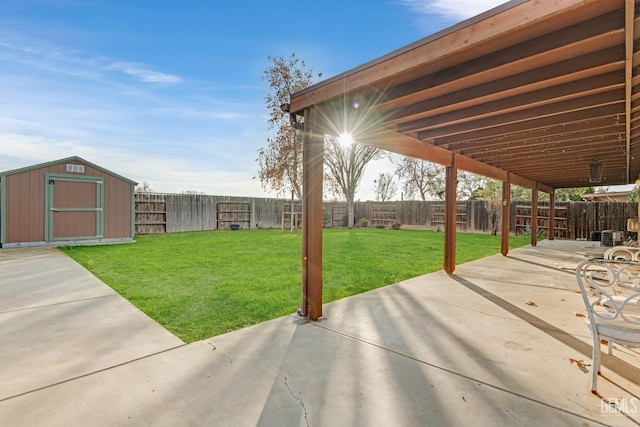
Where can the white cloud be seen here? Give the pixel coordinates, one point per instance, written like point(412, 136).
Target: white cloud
point(164, 174)
point(62, 104)
point(52, 58)
point(33, 149)
point(200, 112)
point(455, 10)
point(143, 73)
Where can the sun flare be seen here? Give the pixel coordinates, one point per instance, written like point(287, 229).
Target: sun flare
point(345, 139)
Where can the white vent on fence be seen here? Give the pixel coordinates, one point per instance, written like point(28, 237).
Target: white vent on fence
point(75, 168)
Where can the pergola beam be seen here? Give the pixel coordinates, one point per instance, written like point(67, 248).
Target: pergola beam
point(579, 90)
point(402, 144)
point(593, 64)
point(543, 139)
point(610, 97)
point(527, 183)
point(457, 42)
point(545, 124)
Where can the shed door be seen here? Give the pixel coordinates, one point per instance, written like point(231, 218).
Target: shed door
point(74, 207)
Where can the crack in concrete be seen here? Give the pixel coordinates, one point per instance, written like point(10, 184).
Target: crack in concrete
point(497, 400)
point(284, 379)
point(286, 384)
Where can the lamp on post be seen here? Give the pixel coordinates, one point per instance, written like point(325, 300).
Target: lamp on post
point(595, 171)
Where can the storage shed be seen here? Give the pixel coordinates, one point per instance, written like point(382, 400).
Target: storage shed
point(64, 202)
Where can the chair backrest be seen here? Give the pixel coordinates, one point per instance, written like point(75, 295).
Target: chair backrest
point(610, 290)
point(629, 253)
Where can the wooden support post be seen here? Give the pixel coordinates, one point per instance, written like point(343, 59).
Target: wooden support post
point(312, 164)
point(506, 218)
point(552, 216)
point(534, 216)
point(450, 215)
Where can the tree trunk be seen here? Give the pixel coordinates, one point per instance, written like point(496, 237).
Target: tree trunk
point(350, 213)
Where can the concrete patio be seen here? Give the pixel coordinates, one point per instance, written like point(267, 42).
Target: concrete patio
point(490, 345)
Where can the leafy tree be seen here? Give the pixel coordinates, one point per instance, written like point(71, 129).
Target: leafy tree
point(384, 187)
point(469, 183)
point(420, 177)
point(520, 193)
point(571, 194)
point(280, 163)
point(345, 165)
point(493, 188)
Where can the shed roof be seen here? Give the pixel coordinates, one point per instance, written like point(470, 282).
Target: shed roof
point(531, 92)
point(67, 160)
point(613, 195)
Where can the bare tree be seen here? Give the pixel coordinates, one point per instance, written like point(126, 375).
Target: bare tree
point(491, 193)
point(143, 187)
point(345, 165)
point(384, 187)
point(280, 163)
point(420, 176)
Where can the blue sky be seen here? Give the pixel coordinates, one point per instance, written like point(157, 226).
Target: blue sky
point(171, 93)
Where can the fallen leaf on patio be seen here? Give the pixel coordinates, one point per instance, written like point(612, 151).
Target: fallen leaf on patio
point(580, 364)
point(603, 341)
point(577, 292)
point(531, 303)
point(581, 315)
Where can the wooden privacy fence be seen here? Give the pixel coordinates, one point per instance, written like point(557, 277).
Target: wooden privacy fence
point(575, 220)
point(168, 213)
point(471, 216)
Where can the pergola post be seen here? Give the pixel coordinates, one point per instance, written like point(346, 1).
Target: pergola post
point(552, 216)
point(534, 216)
point(312, 173)
point(450, 214)
point(506, 218)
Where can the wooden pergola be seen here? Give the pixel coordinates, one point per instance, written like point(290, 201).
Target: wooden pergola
point(531, 93)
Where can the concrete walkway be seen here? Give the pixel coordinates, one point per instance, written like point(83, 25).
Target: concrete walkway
point(490, 345)
point(58, 322)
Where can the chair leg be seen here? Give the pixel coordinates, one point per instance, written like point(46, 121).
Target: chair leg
point(610, 349)
point(595, 362)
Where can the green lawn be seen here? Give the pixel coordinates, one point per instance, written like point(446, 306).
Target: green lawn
point(202, 284)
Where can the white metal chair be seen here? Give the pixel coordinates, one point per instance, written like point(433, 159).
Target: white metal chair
point(611, 294)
